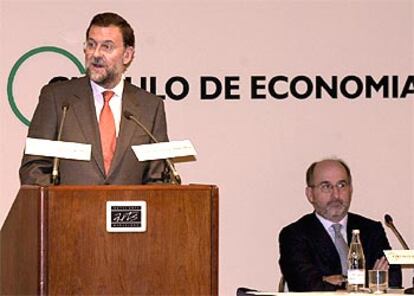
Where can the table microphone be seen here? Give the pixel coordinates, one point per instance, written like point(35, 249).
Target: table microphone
point(390, 223)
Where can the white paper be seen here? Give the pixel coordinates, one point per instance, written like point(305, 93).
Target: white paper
point(68, 150)
point(164, 150)
point(261, 293)
point(400, 256)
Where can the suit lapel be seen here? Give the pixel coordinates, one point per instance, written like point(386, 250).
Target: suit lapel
point(350, 226)
point(85, 111)
point(130, 103)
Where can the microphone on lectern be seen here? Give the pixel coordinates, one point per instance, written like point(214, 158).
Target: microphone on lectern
point(55, 169)
point(174, 176)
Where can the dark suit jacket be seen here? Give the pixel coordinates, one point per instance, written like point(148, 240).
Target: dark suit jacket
point(81, 125)
point(307, 253)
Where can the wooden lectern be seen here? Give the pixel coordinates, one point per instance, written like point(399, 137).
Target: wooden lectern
point(55, 242)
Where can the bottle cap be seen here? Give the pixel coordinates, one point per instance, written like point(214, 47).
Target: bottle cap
point(355, 231)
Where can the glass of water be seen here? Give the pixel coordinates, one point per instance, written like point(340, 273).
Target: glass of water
point(378, 281)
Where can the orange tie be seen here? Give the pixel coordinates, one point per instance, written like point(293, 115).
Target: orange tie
point(107, 131)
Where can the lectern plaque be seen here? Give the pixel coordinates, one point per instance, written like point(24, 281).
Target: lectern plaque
point(126, 216)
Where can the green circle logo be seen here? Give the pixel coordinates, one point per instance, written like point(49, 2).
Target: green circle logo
point(20, 61)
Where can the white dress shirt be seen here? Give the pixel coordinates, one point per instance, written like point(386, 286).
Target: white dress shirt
point(115, 103)
point(328, 226)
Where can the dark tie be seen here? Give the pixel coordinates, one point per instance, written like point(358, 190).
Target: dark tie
point(341, 247)
point(107, 131)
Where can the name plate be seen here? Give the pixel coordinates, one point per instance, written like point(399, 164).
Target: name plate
point(126, 216)
point(400, 256)
point(164, 150)
point(49, 148)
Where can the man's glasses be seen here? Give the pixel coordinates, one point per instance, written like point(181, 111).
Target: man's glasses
point(105, 47)
point(328, 187)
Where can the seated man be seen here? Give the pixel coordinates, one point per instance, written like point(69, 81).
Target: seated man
point(311, 249)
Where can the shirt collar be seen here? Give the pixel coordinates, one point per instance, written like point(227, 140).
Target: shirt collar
point(118, 89)
point(327, 223)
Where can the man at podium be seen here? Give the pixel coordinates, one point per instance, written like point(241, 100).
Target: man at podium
point(98, 110)
point(312, 257)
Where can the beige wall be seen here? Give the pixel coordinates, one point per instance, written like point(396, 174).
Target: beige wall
point(256, 151)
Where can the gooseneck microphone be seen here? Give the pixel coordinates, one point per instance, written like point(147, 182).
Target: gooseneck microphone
point(55, 169)
point(174, 176)
point(390, 223)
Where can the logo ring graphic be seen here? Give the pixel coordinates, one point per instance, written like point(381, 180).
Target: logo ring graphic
point(21, 60)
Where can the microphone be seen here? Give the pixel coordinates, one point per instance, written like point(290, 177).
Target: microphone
point(176, 179)
point(55, 169)
point(390, 223)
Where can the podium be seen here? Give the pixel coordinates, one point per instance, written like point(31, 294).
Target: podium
point(55, 242)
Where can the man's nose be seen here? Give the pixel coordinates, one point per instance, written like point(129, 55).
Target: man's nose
point(335, 191)
point(97, 52)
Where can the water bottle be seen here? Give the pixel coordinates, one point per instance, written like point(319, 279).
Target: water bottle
point(356, 264)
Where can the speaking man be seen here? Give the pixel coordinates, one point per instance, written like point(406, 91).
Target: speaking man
point(313, 250)
point(95, 114)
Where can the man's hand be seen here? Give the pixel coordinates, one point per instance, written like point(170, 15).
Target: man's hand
point(381, 264)
point(336, 279)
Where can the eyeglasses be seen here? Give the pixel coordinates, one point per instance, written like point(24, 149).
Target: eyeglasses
point(328, 187)
point(106, 47)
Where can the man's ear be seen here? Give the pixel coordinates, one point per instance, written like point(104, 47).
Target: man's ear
point(309, 194)
point(128, 55)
